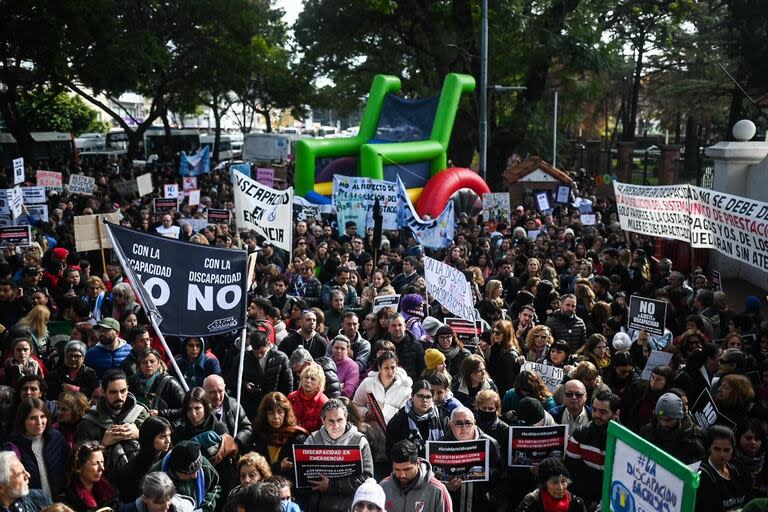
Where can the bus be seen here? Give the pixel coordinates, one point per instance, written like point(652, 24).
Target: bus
point(183, 139)
point(50, 146)
point(226, 152)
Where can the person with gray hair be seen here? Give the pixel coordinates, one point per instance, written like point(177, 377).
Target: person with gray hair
point(301, 358)
point(15, 493)
point(73, 375)
point(158, 494)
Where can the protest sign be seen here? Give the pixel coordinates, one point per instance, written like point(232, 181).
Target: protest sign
point(705, 413)
point(583, 205)
point(563, 195)
point(38, 210)
point(717, 282)
point(15, 235)
point(640, 477)
point(530, 445)
point(193, 197)
point(191, 289)
point(647, 314)
point(542, 201)
point(265, 176)
point(588, 219)
point(496, 208)
point(18, 171)
point(450, 288)
point(310, 462)
point(195, 164)
point(467, 331)
point(656, 358)
point(267, 211)
point(305, 213)
point(144, 183)
point(15, 201)
point(171, 191)
point(164, 205)
point(353, 199)
point(219, 216)
point(51, 180)
point(87, 232)
point(433, 233)
point(467, 460)
point(534, 234)
point(189, 183)
point(81, 184)
point(33, 195)
point(385, 301)
point(197, 224)
point(551, 375)
point(127, 188)
point(6, 220)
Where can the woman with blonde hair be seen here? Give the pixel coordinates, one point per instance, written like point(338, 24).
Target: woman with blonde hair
point(37, 323)
point(494, 291)
point(537, 343)
point(502, 361)
point(251, 468)
point(309, 398)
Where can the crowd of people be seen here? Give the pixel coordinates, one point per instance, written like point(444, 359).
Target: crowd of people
point(94, 415)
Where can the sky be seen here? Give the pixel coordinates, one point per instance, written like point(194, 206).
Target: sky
point(292, 9)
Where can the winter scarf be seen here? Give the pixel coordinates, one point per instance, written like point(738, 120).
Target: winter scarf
point(143, 386)
point(435, 427)
point(550, 504)
point(282, 435)
point(101, 493)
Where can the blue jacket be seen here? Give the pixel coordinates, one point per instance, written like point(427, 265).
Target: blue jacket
point(196, 371)
point(35, 501)
point(101, 358)
point(55, 453)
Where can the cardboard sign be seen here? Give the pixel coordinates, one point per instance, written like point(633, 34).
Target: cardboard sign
point(542, 201)
point(18, 171)
point(466, 330)
point(189, 183)
point(171, 191)
point(81, 184)
point(705, 413)
point(193, 197)
point(127, 188)
point(563, 194)
point(218, 216)
point(551, 375)
point(638, 476)
point(51, 180)
point(165, 205)
point(530, 445)
point(656, 358)
point(467, 460)
point(265, 176)
point(717, 282)
point(13, 202)
point(144, 183)
point(33, 195)
point(15, 235)
point(588, 219)
point(385, 301)
point(87, 233)
point(647, 314)
point(310, 462)
point(450, 288)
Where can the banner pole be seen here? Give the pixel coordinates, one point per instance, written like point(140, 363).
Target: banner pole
point(168, 351)
point(101, 246)
point(240, 380)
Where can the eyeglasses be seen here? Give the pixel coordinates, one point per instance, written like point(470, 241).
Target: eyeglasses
point(301, 243)
point(571, 394)
point(496, 331)
point(463, 424)
point(424, 397)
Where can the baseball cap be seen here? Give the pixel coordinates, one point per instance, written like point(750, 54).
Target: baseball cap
point(108, 323)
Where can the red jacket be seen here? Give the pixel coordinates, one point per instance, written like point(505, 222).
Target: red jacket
point(307, 410)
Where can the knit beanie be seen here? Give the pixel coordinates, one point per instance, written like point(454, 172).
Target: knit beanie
point(621, 342)
point(411, 304)
point(669, 405)
point(185, 458)
point(433, 358)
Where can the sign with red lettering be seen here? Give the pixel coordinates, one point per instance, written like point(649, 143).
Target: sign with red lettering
point(310, 462)
point(467, 460)
point(530, 445)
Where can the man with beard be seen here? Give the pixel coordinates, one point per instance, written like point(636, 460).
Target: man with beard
point(673, 431)
point(110, 351)
point(412, 483)
point(585, 451)
point(305, 337)
point(15, 493)
point(565, 325)
point(114, 421)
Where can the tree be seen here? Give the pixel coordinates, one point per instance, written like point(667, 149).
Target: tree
point(53, 111)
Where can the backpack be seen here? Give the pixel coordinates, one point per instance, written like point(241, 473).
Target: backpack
point(120, 453)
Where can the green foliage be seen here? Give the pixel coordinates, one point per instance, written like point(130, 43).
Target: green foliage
point(59, 112)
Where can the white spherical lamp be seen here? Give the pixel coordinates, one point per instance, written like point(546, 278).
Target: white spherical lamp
point(744, 130)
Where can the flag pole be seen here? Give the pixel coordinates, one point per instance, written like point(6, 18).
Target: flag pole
point(246, 287)
point(167, 349)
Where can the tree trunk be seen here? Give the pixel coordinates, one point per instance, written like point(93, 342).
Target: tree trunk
point(216, 129)
point(628, 134)
point(16, 126)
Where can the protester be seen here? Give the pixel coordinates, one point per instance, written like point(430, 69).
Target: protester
point(15, 493)
point(88, 490)
point(552, 495)
point(412, 483)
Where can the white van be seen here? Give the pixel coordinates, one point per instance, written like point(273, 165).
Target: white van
point(225, 146)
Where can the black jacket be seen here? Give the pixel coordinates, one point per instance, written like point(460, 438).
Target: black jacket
point(86, 380)
point(571, 329)
point(503, 368)
point(410, 355)
point(276, 376)
point(244, 427)
point(532, 503)
point(399, 428)
point(166, 395)
point(684, 443)
point(259, 445)
point(316, 345)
